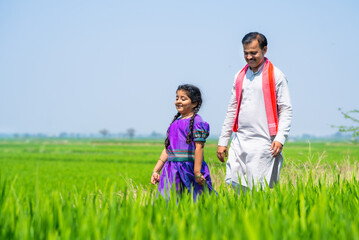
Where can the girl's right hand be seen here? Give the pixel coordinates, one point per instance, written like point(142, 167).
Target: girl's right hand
point(201, 180)
point(155, 178)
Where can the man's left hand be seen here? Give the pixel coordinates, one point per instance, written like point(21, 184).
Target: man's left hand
point(276, 148)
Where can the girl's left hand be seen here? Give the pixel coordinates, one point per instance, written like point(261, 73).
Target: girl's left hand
point(200, 180)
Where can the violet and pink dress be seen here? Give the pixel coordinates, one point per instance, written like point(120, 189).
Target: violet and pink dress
point(179, 168)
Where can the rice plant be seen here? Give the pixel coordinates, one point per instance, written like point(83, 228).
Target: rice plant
point(45, 195)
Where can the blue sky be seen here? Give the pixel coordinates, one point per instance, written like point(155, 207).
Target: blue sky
point(81, 66)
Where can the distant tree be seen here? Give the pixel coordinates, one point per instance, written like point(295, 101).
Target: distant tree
point(354, 130)
point(338, 135)
point(130, 133)
point(63, 135)
point(306, 136)
point(155, 134)
point(104, 132)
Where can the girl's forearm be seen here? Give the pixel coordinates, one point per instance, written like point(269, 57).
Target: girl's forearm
point(161, 161)
point(198, 158)
point(164, 155)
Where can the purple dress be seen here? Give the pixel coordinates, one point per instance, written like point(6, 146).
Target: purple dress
point(179, 168)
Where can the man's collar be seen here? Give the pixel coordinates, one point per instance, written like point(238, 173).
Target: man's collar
point(259, 69)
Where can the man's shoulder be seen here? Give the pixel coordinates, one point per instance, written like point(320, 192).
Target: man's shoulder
point(240, 70)
point(277, 70)
point(236, 75)
point(278, 74)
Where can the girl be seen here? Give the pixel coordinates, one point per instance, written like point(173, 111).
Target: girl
point(182, 159)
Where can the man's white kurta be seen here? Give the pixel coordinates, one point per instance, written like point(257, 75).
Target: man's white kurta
point(250, 158)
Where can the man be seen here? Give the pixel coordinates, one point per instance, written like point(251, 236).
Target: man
point(260, 114)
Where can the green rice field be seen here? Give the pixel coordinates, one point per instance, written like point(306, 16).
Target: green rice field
point(100, 189)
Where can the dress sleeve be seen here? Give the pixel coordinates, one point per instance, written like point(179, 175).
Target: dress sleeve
point(200, 131)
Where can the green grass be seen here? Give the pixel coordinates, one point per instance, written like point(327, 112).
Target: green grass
point(99, 189)
point(333, 152)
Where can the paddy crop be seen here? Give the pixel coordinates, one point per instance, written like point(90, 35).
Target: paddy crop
point(52, 189)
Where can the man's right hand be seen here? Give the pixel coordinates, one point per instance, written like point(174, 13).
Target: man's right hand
point(222, 153)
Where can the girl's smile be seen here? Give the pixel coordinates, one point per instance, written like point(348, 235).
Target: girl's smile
point(184, 104)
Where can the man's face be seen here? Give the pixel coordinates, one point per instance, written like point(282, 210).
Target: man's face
point(254, 55)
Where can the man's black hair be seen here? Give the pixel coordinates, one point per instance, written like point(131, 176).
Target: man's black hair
point(249, 37)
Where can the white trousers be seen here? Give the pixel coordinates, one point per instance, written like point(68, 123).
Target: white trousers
point(250, 163)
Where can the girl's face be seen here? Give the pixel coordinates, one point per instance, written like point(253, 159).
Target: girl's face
point(183, 103)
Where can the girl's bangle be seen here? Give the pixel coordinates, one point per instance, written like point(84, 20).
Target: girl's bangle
point(156, 172)
point(161, 160)
point(200, 175)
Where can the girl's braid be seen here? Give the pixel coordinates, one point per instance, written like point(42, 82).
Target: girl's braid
point(167, 141)
point(191, 123)
point(194, 94)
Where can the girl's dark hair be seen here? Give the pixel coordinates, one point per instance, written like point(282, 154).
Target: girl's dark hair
point(195, 95)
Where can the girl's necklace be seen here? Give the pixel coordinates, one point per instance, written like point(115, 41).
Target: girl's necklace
point(188, 116)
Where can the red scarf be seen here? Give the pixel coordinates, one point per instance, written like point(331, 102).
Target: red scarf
point(269, 93)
